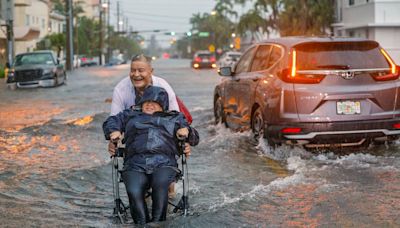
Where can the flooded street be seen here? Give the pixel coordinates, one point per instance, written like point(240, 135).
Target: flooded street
point(55, 170)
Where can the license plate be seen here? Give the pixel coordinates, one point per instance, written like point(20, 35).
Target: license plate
point(348, 107)
point(205, 60)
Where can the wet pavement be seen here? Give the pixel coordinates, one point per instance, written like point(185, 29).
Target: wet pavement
point(55, 170)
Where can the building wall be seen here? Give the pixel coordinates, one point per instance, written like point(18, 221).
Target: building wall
point(389, 38)
point(359, 13)
point(372, 19)
point(387, 11)
point(35, 15)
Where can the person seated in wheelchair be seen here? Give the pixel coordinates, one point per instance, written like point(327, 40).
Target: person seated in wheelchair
point(151, 136)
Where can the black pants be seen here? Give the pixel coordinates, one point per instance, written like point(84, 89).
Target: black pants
point(137, 184)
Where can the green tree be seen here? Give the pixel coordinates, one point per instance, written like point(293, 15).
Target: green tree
point(127, 45)
point(87, 36)
point(57, 42)
point(218, 26)
point(288, 17)
point(306, 17)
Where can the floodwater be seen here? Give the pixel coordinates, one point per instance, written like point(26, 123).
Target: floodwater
point(55, 170)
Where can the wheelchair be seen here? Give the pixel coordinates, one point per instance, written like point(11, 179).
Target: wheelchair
point(121, 211)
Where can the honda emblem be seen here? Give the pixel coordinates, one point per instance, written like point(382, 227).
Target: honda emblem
point(348, 75)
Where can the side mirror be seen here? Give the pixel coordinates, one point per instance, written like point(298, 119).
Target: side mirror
point(225, 71)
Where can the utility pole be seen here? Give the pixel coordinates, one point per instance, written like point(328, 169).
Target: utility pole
point(126, 24)
point(10, 30)
point(108, 32)
point(101, 34)
point(118, 17)
point(70, 45)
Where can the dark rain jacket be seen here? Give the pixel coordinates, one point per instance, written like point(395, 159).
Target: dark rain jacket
point(150, 140)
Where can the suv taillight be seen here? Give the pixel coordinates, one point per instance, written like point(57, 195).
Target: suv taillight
point(212, 59)
point(293, 76)
point(385, 76)
point(197, 59)
point(393, 74)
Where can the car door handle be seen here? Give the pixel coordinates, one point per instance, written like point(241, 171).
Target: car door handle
point(255, 79)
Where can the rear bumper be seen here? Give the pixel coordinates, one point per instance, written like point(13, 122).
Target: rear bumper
point(335, 132)
point(205, 65)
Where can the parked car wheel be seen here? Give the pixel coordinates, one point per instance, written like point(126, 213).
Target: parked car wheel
point(219, 113)
point(56, 81)
point(65, 78)
point(257, 123)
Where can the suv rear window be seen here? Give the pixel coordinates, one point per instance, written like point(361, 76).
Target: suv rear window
point(340, 56)
point(204, 55)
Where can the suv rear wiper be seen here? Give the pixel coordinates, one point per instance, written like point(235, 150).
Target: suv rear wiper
point(341, 67)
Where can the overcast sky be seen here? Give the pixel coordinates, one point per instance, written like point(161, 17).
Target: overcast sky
point(170, 15)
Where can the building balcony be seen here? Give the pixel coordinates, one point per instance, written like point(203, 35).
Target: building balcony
point(22, 2)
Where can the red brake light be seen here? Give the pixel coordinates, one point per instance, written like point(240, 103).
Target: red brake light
point(396, 125)
point(385, 76)
point(294, 76)
point(393, 74)
point(197, 59)
point(212, 59)
point(291, 130)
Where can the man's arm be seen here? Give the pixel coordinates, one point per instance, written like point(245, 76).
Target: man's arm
point(117, 104)
point(173, 103)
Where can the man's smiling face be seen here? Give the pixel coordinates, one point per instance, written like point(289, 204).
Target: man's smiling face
point(140, 74)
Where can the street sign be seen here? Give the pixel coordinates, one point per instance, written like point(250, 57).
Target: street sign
point(204, 34)
point(211, 48)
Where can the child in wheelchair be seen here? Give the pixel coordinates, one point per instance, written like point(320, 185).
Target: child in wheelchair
point(151, 136)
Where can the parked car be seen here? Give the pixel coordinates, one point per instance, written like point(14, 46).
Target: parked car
point(203, 59)
point(115, 61)
point(87, 61)
point(39, 68)
point(310, 91)
point(229, 58)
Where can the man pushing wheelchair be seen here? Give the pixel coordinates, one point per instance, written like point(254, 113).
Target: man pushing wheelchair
point(152, 136)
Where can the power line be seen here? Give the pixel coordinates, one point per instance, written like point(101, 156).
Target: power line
point(158, 21)
point(153, 15)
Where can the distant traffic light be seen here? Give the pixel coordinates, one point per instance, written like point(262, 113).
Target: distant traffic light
point(237, 43)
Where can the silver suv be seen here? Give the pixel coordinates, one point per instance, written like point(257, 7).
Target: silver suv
point(312, 91)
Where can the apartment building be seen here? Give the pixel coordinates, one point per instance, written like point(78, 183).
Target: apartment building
point(35, 19)
point(372, 19)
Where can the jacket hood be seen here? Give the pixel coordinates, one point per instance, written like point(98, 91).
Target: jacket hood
point(156, 94)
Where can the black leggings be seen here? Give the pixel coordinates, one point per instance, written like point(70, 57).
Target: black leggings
point(137, 184)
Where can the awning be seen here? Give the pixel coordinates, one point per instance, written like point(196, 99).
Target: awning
point(25, 33)
point(21, 33)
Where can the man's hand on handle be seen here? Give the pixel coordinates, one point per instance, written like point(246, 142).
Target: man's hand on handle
point(112, 145)
point(182, 134)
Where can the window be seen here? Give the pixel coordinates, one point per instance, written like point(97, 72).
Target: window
point(261, 58)
point(276, 54)
point(340, 56)
point(245, 61)
point(43, 23)
point(27, 20)
point(351, 2)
